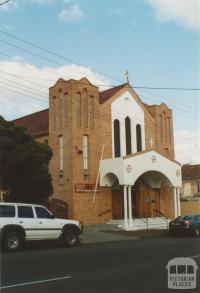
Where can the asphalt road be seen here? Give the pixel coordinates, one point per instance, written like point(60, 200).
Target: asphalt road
point(125, 266)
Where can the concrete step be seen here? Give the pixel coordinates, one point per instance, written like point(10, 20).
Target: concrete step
point(141, 224)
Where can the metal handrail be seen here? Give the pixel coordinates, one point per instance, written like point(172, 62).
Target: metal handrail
point(164, 217)
point(161, 213)
point(105, 212)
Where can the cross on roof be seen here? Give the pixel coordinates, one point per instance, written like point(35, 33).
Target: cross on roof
point(151, 142)
point(127, 76)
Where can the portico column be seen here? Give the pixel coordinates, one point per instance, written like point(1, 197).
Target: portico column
point(130, 206)
point(125, 208)
point(178, 202)
point(175, 204)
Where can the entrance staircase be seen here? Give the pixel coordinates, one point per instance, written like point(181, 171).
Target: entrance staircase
point(141, 224)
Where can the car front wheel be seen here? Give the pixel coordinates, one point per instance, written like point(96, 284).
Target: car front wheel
point(12, 241)
point(70, 238)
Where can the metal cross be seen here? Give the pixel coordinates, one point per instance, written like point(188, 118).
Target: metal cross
point(127, 76)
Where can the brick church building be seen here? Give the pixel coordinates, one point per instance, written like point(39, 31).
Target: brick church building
point(115, 140)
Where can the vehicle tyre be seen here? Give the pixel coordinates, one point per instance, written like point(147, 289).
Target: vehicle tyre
point(197, 232)
point(70, 238)
point(12, 241)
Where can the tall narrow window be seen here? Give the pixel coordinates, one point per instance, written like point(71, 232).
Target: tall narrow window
point(161, 127)
point(139, 137)
point(128, 135)
point(85, 152)
point(85, 108)
point(61, 108)
point(117, 138)
point(61, 157)
point(169, 129)
point(67, 108)
point(79, 110)
point(91, 112)
point(198, 186)
point(165, 128)
point(54, 112)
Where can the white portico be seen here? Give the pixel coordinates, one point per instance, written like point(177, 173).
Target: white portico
point(147, 181)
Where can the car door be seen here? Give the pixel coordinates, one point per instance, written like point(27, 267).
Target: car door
point(48, 226)
point(28, 221)
point(197, 221)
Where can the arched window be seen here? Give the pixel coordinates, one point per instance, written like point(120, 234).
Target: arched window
point(117, 138)
point(139, 138)
point(128, 135)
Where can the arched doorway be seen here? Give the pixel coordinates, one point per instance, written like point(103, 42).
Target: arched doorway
point(150, 193)
point(111, 180)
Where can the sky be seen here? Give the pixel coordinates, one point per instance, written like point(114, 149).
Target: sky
point(157, 41)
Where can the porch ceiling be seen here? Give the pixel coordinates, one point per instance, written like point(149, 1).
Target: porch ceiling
point(128, 169)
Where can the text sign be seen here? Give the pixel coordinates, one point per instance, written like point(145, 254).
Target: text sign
point(84, 188)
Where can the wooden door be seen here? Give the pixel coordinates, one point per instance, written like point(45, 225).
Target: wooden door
point(148, 202)
point(117, 200)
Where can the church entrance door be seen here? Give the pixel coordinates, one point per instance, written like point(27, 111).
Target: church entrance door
point(148, 202)
point(117, 203)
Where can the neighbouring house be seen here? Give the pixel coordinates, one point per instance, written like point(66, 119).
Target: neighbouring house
point(191, 180)
point(190, 193)
point(138, 174)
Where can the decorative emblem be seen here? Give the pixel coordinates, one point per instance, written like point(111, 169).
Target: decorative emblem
point(154, 159)
point(128, 168)
point(178, 173)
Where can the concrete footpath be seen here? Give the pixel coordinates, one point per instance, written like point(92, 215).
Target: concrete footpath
point(103, 233)
point(109, 233)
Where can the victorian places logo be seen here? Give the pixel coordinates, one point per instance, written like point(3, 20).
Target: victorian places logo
point(182, 273)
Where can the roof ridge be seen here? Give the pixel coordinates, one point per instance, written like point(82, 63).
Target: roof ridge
point(106, 94)
point(28, 115)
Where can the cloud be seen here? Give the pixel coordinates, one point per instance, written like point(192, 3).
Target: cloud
point(187, 146)
point(25, 89)
point(184, 12)
point(73, 13)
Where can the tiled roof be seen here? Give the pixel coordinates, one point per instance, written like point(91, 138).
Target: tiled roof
point(105, 95)
point(37, 123)
point(191, 172)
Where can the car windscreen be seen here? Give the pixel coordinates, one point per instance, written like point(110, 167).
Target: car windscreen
point(189, 218)
point(7, 211)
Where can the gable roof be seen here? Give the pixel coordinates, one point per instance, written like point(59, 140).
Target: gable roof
point(37, 124)
point(107, 94)
point(191, 172)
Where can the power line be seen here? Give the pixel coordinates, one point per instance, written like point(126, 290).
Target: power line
point(21, 93)
point(24, 86)
point(21, 78)
point(70, 60)
point(57, 55)
point(171, 100)
point(4, 2)
point(134, 87)
point(42, 94)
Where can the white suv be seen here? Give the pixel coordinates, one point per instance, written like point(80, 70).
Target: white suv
point(20, 222)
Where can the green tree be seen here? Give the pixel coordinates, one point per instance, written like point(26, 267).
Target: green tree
point(23, 165)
